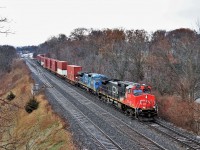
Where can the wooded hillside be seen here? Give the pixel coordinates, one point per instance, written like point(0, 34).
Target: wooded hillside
point(41, 129)
point(169, 61)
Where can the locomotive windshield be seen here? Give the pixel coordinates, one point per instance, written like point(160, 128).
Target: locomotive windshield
point(147, 90)
point(137, 92)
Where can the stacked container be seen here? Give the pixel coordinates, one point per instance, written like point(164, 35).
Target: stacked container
point(43, 55)
point(62, 68)
point(42, 60)
point(49, 63)
point(39, 58)
point(72, 72)
point(54, 65)
point(45, 62)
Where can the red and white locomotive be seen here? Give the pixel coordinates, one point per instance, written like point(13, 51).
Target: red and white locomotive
point(133, 98)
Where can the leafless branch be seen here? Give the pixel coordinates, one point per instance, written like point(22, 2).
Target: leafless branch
point(4, 31)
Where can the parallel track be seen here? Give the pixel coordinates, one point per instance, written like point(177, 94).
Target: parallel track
point(145, 142)
point(38, 72)
point(187, 142)
point(85, 123)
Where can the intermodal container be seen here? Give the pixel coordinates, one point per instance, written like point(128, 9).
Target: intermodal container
point(38, 58)
point(62, 65)
point(42, 60)
point(62, 68)
point(72, 72)
point(54, 65)
point(49, 63)
point(43, 55)
point(45, 62)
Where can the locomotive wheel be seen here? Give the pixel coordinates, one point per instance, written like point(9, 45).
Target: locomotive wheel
point(99, 95)
point(123, 107)
point(131, 112)
point(136, 114)
point(127, 112)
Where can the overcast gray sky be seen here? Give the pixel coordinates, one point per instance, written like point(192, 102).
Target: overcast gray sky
point(34, 21)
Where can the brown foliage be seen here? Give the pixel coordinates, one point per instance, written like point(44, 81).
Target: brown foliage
point(19, 130)
point(169, 61)
point(173, 109)
point(176, 56)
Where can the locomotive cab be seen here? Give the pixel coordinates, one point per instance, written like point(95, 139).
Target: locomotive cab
point(140, 100)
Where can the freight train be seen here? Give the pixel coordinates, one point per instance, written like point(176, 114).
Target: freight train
point(133, 98)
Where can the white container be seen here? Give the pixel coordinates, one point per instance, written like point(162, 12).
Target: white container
point(62, 72)
point(42, 63)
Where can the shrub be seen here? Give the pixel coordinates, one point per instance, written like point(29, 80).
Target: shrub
point(31, 105)
point(10, 96)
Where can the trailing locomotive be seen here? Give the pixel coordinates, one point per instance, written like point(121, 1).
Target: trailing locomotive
point(133, 98)
point(91, 81)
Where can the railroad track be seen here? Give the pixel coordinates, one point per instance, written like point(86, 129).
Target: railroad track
point(103, 140)
point(33, 70)
point(38, 72)
point(142, 140)
point(184, 140)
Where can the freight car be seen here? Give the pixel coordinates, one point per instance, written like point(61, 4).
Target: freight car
point(73, 71)
point(62, 68)
point(133, 98)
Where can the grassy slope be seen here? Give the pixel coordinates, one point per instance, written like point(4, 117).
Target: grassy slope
point(42, 129)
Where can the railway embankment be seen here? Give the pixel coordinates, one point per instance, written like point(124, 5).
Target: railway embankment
point(41, 129)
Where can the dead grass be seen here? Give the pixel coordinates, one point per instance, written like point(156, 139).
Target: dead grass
point(45, 128)
point(42, 129)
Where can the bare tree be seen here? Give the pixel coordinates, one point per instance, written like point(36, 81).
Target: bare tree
point(138, 50)
point(160, 74)
point(167, 59)
point(3, 30)
point(118, 58)
point(178, 56)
